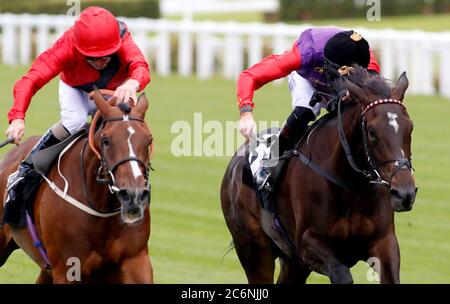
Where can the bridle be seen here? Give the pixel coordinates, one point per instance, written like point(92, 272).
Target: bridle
point(372, 173)
point(105, 173)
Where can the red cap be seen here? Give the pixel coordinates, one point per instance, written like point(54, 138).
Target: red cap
point(97, 32)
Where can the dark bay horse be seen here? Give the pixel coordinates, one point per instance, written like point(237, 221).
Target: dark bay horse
point(333, 225)
point(108, 239)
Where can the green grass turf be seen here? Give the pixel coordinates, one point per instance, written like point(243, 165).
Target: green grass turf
point(189, 236)
point(421, 22)
point(435, 23)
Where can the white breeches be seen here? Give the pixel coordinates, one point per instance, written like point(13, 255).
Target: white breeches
point(75, 107)
point(302, 91)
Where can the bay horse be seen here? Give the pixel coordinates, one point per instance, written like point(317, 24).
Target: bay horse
point(106, 234)
point(334, 213)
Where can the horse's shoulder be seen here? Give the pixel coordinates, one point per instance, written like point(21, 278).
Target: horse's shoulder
point(22, 149)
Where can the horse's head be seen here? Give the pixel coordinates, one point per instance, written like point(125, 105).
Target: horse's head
point(124, 141)
point(387, 130)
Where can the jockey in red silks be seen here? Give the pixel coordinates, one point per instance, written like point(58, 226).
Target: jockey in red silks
point(96, 51)
point(317, 58)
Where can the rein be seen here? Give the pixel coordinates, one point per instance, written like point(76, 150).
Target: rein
point(85, 187)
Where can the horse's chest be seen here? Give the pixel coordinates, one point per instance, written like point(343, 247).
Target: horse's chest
point(347, 228)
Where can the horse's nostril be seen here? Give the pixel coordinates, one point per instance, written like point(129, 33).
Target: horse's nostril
point(403, 197)
point(125, 197)
point(145, 196)
point(411, 196)
point(395, 193)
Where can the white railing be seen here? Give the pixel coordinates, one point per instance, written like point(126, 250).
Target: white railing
point(210, 48)
point(179, 7)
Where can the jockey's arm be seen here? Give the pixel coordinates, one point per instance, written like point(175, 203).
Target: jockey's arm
point(373, 66)
point(46, 67)
point(270, 68)
point(138, 70)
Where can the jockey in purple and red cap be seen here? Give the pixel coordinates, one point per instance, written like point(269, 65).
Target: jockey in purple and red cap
point(313, 62)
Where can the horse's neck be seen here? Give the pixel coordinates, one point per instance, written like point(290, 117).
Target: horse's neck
point(331, 155)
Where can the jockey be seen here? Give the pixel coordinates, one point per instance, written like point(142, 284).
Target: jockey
point(319, 56)
point(96, 51)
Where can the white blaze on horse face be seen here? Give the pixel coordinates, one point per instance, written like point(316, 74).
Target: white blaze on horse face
point(134, 165)
point(393, 120)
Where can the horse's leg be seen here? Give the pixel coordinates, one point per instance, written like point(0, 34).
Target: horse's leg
point(136, 270)
point(320, 258)
point(254, 248)
point(44, 277)
point(292, 272)
point(387, 251)
point(257, 257)
point(7, 244)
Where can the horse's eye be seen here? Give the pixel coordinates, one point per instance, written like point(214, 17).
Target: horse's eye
point(372, 134)
point(105, 141)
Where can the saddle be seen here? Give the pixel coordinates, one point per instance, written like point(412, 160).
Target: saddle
point(42, 162)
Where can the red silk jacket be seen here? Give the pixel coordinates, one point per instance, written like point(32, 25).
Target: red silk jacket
point(63, 58)
point(275, 67)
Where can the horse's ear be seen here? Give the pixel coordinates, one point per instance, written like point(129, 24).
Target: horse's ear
point(142, 104)
point(402, 85)
point(101, 103)
point(112, 101)
point(356, 92)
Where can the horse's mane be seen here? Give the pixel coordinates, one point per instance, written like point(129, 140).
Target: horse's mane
point(359, 76)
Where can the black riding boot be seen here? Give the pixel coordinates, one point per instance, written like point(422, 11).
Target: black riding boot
point(14, 205)
point(294, 128)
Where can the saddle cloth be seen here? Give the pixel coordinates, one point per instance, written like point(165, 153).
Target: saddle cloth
point(42, 162)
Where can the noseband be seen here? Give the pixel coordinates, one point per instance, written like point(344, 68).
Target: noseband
point(372, 174)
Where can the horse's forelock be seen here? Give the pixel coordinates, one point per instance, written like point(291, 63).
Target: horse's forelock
point(124, 107)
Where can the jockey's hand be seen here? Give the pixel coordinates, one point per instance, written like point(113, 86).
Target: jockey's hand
point(16, 130)
point(247, 125)
point(127, 91)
